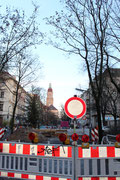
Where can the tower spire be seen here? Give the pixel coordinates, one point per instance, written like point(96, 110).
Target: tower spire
point(50, 86)
point(49, 96)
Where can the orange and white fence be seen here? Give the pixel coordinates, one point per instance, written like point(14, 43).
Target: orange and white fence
point(2, 131)
point(59, 162)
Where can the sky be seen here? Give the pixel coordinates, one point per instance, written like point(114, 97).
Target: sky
point(65, 73)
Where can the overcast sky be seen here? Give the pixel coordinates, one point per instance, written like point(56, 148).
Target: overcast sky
point(64, 72)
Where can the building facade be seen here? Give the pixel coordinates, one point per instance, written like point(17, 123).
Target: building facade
point(8, 85)
point(110, 101)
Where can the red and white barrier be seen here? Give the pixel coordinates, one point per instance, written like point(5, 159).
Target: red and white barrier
point(2, 131)
point(37, 150)
point(94, 134)
point(99, 152)
point(28, 176)
point(99, 178)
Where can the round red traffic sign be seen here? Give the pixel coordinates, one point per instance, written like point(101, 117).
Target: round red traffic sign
point(118, 138)
point(62, 137)
point(75, 137)
point(75, 107)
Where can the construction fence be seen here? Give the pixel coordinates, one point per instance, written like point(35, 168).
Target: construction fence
point(59, 162)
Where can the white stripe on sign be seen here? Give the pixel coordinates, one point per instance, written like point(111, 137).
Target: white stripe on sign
point(102, 152)
point(86, 153)
point(63, 151)
point(46, 178)
point(33, 149)
point(62, 179)
point(87, 178)
point(117, 152)
point(4, 174)
point(32, 177)
point(19, 148)
point(48, 151)
point(5, 148)
point(96, 130)
point(103, 178)
point(117, 178)
point(16, 175)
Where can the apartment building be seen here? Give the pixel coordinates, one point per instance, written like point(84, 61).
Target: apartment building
point(8, 85)
point(110, 101)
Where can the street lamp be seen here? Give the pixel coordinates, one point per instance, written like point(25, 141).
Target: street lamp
point(82, 90)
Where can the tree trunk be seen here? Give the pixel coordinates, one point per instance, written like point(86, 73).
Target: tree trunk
point(13, 118)
point(14, 110)
point(99, 122)
point(103, 116)
point(115, 122)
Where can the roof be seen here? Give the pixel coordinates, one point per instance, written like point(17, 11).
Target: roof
point(6, 76)
point(51, 107)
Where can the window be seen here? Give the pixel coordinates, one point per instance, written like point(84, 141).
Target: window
point(2, 94)
point(1, 107)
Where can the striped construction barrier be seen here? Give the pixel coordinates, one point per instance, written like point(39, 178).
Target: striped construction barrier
point(99, 152)
point(99, 178)
point(2, 131)
point(27, 176)
point(94, 134)
point(98, 163)
point(36, 150)
point(59, 162)
point(37, 177)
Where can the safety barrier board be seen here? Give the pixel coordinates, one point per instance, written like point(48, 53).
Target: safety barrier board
point(98, 152)
point(99, 178)
point(37, 150)
point(27, 176)
point(59, 162)
point(2, 131)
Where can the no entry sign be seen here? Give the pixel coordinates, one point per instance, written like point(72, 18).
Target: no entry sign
point(75, 107)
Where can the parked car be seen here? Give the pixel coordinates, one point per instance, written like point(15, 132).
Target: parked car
point(105, 128)
point(43, 127)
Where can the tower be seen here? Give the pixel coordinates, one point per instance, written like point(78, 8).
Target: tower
point(49, 96)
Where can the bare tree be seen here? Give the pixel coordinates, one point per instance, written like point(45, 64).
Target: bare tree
point(110, 102)
point(17, 33)
point(24, 69)
point(113, 104)
point(83, 28)
point(113, 51)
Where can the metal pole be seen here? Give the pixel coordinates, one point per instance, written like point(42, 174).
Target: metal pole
point(74, 125)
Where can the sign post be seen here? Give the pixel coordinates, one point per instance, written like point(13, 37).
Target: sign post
point(75, 108)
